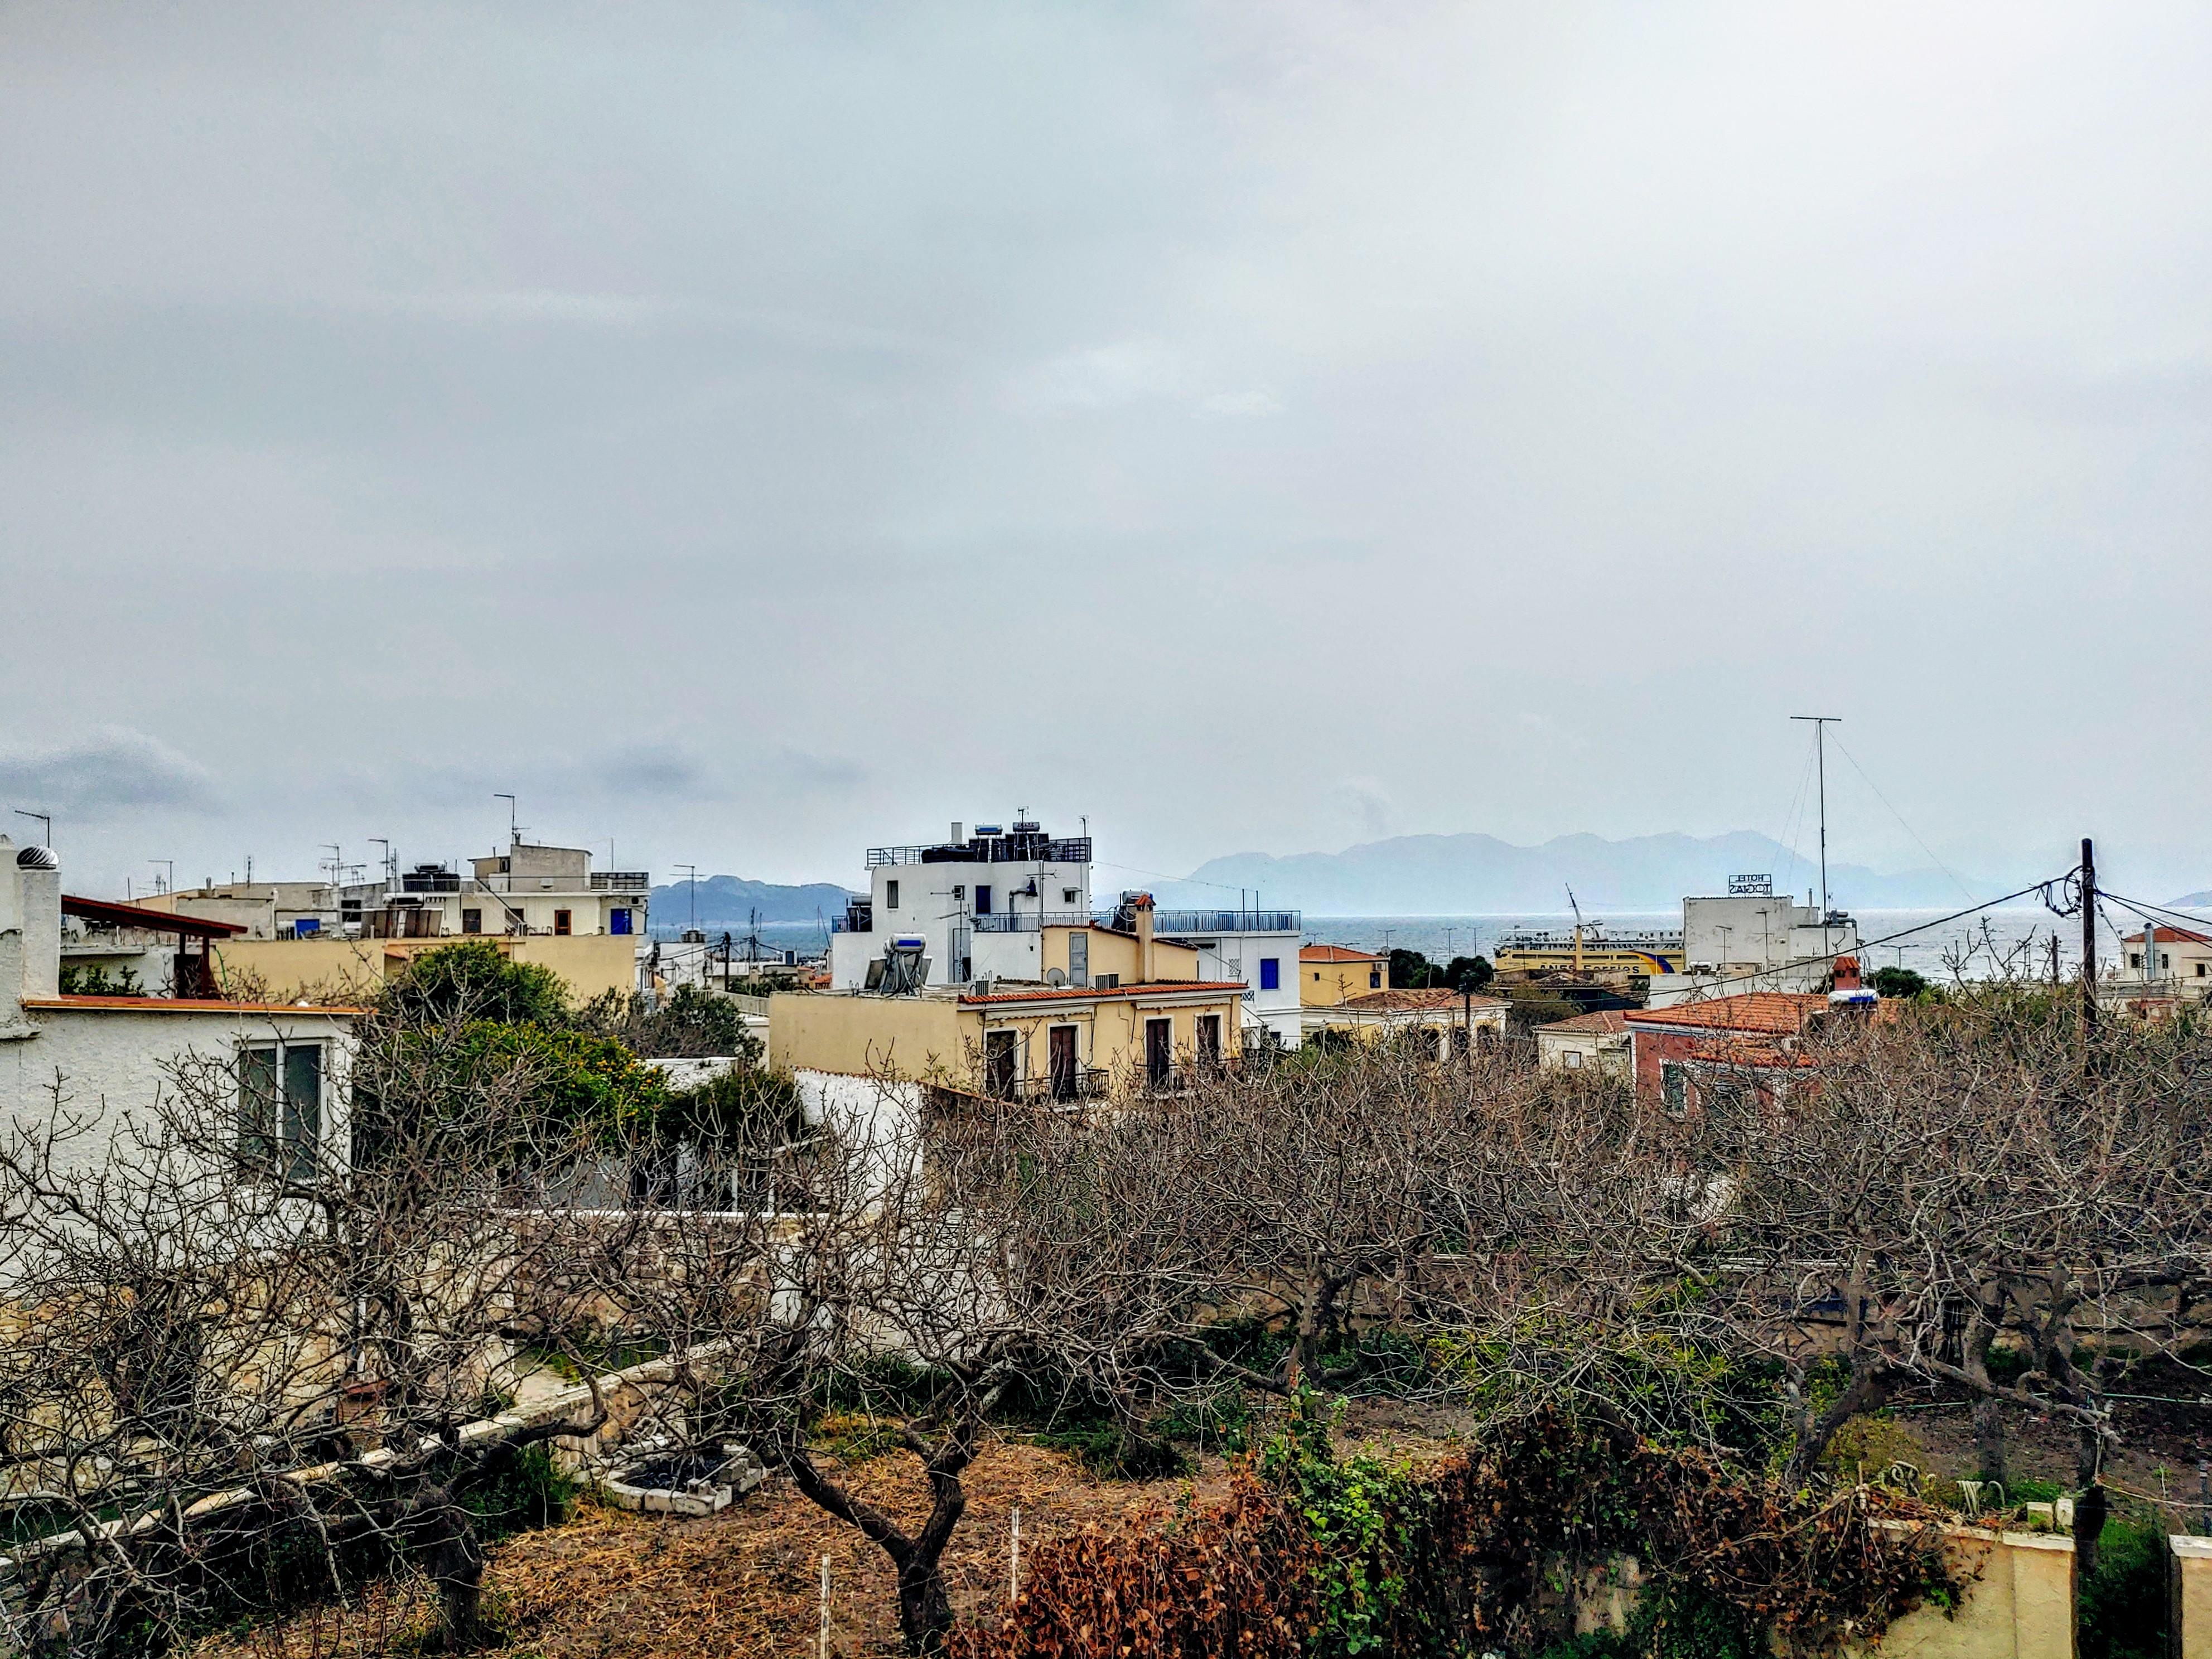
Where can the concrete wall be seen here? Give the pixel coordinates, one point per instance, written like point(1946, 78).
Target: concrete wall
point(915, 1037)
point(288, 969)
point(1559, 1050)
point(2021, 1606)
point(2189, 1610)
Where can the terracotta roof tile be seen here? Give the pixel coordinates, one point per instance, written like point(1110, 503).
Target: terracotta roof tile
point(1404, 1001)
point(1335, 953)
point(1609, 1020)
point(1773, 1013)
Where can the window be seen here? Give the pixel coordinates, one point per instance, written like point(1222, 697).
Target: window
point(1079, 958)
point(1000, 1061)
point(1374, 979)
point(561, 921)
point(1068, 895)
point(2200, 970)
point(891, 896)
point(1060, 1053)
point(280, 1108)
point(1572, 1059)
point(982, 900)
point(2165, 962)
point(2135, 958)
point(1209, 1041)
point(960, 890)
point(1159, 1052)
point(619, 921)
point(472, 921)
point(1271, 974)
point(1107, 983)
point(1316, 975)
point(1674, 1086)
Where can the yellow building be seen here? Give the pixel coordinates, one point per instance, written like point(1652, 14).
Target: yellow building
point(1028, 1043)
point(1448, 1022)
point(323, 969)
point(1330, 976)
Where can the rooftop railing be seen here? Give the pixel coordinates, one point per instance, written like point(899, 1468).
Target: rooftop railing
point(1023, 848)
point(620, 881)
point(1228, 921)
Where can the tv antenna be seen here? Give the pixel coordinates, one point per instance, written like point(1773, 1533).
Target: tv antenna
point(46, 825)
point(1821, 723)
point(513, 829)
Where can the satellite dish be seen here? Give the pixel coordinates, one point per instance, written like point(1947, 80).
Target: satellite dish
point(1055, 976)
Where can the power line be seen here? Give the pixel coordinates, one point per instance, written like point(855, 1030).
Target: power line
point(1900, 816)
point(1906, 932)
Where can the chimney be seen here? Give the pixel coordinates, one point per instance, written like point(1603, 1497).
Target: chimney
point(38, 874)
point(1849, 993)
point(1147, 967)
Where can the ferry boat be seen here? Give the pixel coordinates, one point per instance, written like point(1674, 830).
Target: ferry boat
point(1590, 949)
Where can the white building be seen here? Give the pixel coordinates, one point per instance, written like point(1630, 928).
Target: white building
point(1754, 941)
point(106, 1057)
point(1015, 904)
point(976, 904)
point(2170, 961)
point(1259, 947)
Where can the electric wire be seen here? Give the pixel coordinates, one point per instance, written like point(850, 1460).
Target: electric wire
point(1965, 891)
point(2038, 887)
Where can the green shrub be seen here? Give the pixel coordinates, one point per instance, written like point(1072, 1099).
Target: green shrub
point(2123, 1608)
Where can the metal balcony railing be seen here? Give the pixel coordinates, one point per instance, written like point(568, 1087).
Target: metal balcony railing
point(621, 881)
point(1020, 848)
point(1027, 922)
point(1228, 921)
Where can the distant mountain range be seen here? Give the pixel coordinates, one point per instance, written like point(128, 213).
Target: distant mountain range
point(1474, 874)
point(2194, 901)
point(726, 902)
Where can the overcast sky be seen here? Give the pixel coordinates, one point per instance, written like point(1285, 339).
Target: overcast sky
point(752, 433)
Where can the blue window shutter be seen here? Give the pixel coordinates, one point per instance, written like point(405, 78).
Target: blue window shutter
point(1271, 974)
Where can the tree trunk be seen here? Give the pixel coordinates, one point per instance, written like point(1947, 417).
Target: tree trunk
point(1869, 1388)
point(925, 1608)
point(455, 1562)
point(1989, 1439)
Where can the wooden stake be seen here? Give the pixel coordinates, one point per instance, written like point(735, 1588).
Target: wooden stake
point(826, 1609)
point(1014, 1560)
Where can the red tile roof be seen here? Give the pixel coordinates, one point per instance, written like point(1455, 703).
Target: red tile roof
point(1403, 1001)
point(1335, 953)
point(1770, 1013)
point(2171, 936)
point(188, 1005)
point(1083, 992)
point(1607, 1020)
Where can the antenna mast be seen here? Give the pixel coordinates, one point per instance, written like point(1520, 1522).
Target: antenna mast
point(1821, 723)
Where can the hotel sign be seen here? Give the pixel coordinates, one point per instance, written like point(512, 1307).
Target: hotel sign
point(1758, 886)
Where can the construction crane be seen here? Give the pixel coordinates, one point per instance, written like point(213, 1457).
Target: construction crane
point(1577, 909)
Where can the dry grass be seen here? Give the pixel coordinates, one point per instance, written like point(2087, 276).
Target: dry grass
point(614, 1585)
point(611, 1584)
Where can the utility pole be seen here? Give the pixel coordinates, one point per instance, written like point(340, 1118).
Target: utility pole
point(2089, 941)
point(1821, 723)
point(691, 889)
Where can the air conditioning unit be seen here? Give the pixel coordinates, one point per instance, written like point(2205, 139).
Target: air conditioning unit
point(979, 988)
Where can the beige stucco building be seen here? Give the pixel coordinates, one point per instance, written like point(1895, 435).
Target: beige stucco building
point(1330, 976)
point(1448, 1021)
point(329, 969)
point(1030, 1041)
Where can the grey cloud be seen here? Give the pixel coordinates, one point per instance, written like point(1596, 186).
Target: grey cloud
point(111, 771)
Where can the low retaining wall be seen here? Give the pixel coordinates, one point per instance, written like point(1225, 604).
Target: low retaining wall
point(2018, 1602)
point(2189, 1609)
